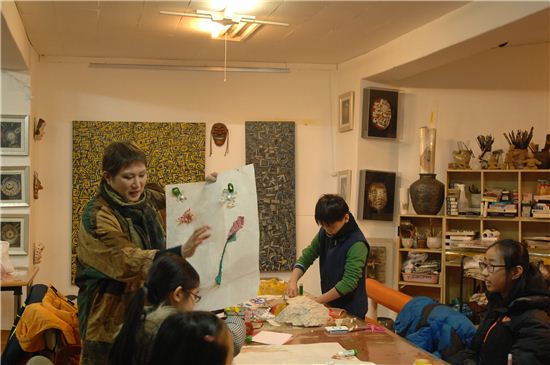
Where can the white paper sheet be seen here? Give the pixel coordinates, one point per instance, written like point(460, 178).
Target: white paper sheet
point(272, 338)
point(317, 353)
point(240, 274)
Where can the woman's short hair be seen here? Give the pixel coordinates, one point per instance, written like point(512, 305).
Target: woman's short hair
point(198, 338)
point(119, 155)
point(330, 208)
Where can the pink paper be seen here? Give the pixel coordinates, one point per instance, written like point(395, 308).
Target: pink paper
point(272, 338)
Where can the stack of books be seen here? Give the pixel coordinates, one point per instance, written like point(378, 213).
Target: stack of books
point(541, 208)
point(526, 204)
point(456, 238)
point(452, 201)
point(499, 203)
point(540, 242)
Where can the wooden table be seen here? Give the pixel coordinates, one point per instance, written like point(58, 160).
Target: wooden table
point(23, 277)
point(378, 347)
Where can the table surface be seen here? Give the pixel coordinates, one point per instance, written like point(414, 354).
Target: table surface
point(378, 347)
point(23, 276)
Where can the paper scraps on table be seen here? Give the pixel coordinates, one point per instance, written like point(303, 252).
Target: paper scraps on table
point(272, 338)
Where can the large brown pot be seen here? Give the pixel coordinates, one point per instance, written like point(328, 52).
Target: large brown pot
point(427, 194)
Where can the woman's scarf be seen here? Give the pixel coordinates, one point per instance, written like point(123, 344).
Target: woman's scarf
point(144, 216)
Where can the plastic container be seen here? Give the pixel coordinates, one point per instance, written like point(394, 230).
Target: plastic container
point(421, 278)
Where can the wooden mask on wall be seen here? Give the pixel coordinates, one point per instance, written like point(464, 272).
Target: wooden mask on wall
point(219, 133)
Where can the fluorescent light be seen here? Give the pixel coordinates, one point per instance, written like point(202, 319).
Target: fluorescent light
point(189, 68)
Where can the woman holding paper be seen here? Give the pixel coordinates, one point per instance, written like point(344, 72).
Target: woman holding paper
point(342, 250)
point(121, 233)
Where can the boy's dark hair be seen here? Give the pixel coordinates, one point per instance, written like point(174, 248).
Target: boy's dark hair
point(330, 208)
point(119, 155)
point(191, 338)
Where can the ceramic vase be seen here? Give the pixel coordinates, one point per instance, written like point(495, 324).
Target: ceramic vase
point(427, 193)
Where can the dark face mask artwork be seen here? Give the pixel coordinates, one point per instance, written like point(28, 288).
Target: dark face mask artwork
point(219, 134)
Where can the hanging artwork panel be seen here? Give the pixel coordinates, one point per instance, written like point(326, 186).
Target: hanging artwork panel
point(376, 195)
point(379, 113)
point(270, 146)
point(14, 135)
point(14, 230)
point(228, 261)
point(14, 190)
point(175, 154)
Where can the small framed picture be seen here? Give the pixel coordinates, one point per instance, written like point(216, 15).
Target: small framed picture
point(14, 135)
point(376, 195)
point(344, 184)
point(345, 111)
point(14, 190)
point(14, 228)
point(379, 113)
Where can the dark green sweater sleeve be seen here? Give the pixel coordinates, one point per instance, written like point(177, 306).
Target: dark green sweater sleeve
point(309, 254)
point(356, 259)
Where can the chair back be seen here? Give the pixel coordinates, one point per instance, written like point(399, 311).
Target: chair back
point(388, 297)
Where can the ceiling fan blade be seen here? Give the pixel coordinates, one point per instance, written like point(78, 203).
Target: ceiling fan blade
point(221, 18)
point(189, 15)
point(265, 22)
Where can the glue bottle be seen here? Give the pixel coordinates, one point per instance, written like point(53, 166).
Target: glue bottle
point(345, 353)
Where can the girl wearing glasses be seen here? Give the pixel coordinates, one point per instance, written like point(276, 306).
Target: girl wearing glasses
point(518, 314)
point(172, 286)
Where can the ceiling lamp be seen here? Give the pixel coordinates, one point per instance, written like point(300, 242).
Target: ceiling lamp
point(237, 27)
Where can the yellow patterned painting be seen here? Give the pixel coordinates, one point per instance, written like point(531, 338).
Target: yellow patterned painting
point(175, 154)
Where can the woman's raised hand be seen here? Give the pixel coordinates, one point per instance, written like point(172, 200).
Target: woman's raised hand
point(199, 235)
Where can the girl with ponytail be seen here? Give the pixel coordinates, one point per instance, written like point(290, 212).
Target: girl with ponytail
point(171, 287)
point(517, 323)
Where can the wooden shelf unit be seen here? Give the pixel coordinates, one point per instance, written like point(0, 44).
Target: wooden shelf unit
point(516, 228)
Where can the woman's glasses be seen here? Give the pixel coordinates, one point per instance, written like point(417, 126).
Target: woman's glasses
point(197, 298)
point(483, 265)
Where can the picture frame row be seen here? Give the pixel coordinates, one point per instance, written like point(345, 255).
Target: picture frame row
point(379, 115)
point(376, 193)
point(14, 135)
point(14, 229)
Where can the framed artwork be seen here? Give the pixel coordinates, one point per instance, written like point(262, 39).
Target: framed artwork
point(379, 113)
point(14, 190)
point(376, 195)
point(345, 111)
point(344, 184)
point(14, 135)
point(376, 264)
point(14, 229)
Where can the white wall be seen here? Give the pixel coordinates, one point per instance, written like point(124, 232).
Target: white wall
point(16, 99)
point(465, 114)
point(67, 92)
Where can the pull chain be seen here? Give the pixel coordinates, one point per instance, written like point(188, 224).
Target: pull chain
point(225, 60)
